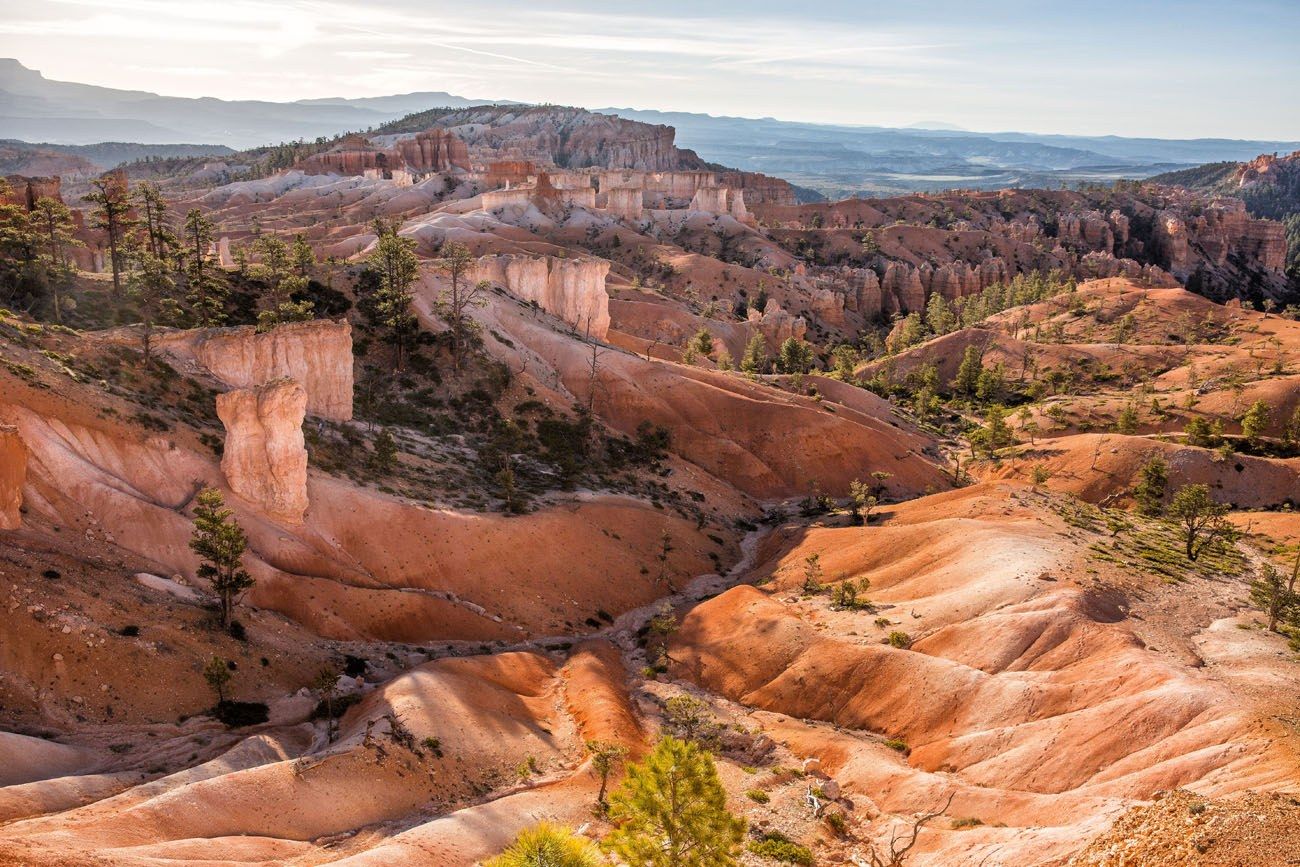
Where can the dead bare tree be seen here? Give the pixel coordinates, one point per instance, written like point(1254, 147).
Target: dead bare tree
point(900, 844)
point(1096, 452)
point(593, 382)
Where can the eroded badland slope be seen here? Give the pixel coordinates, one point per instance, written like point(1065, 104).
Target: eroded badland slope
point(684, 438)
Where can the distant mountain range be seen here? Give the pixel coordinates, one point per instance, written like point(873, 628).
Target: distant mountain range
point(34, 108)
point(835, 160)
point(848, 160)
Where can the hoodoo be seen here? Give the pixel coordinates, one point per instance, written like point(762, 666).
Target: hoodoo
point(265, 460)
point(13, 475)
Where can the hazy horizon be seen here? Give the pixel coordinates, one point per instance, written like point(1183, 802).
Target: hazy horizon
point(1009, 66)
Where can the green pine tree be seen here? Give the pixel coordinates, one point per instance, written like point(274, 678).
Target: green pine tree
point(1273, 595)
point(671, 811)
point(112, 215)
point(1255, 421)
point(547, 845)
point(205, 285)
point(220, 543)
point(1149, 492)
point(755, 360)
point(151, 286)
point(395, 262)
point(968, 372)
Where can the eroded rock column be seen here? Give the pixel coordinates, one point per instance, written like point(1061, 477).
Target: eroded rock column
point(265, 459)
point(13, 475)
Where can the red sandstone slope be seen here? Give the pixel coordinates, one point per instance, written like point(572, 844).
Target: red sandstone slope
point(1031, 692)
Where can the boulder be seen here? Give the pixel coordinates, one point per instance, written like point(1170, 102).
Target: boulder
point(265, 458)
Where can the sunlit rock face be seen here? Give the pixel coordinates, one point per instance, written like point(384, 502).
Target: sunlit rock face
point(572, 289)
point(13, 474)
point(316, 354)
point(265, 458)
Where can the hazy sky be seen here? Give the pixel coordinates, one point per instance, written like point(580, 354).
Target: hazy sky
point(1170, 69)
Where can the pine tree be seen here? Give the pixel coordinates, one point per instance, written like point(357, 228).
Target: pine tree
point(1199, 432)
point(939, 316)
point(997, 431)
point(1291, 435)
point(153, 209)
point(968, 372)
point(812, 573)
point(1127, 420)
point(205, 289)
point(394, 261)
point(671, 811)
point(547, 845)
point(217, 673)
point(456, 301)
point(325, 684)
point(1255, 421)
point(992, 383)
point(755, 360)
point(605, 756)
point(52, 221)
point(1149, 492)
point(19, 242)
point(302, 256)
point(699, 346)
point(112, 215)
point(795, 356)
point(1201, 517)
point(275, 271)
point(151, 287)
point(220, 543)
point(846, 361)
point(861, 502)
point(1272, 594)
point(384, 457)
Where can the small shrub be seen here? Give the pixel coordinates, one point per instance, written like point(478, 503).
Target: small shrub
point(758, 796)
point(778, 847)
point(237, 714)
point(967, 822)
point(837, 823)
point(901, 640)
point(898, 745)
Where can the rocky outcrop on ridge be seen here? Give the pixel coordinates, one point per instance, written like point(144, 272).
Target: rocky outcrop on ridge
point(316, 354)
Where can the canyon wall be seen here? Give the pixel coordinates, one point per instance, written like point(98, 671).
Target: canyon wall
point(265, 458)
point(548, 198)
point(955, 244)
point(435, 150)
point(625, 202)
point(25, 191)
point(13, 475)
point(317, 354)
point(566, 137)
point(571, 289)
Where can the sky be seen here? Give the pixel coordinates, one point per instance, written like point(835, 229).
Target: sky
point(1167, 69)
